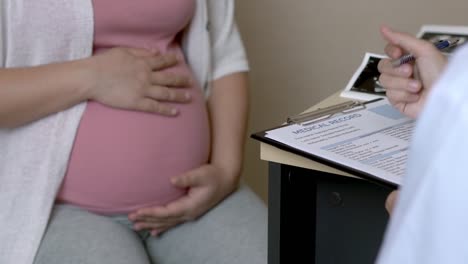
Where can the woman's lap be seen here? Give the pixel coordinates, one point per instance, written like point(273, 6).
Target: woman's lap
point(235, 231)
point(75, 236)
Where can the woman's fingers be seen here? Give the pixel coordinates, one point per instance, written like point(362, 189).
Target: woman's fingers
point(154, 59)
point(153, 106)
point(166, 94)
point(161, 62)
point(142, 52)
point(170, 79)
point(155, 96)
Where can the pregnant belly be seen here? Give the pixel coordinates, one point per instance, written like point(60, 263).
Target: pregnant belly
point(123, 160)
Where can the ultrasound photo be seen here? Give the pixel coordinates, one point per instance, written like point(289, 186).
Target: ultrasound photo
point(368, 80)
point(365, 85)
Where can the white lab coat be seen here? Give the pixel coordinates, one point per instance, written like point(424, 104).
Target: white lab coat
point(430, 221)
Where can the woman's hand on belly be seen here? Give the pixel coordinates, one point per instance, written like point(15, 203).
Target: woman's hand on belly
point(207, 186)
point(132, 79)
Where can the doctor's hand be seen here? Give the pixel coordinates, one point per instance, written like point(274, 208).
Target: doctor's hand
point(132, 79)
point(207, 186)
point(390, 201)
point(408, 85)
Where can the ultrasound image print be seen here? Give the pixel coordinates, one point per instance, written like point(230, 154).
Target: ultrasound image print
point(368, 80)
point(435, 37)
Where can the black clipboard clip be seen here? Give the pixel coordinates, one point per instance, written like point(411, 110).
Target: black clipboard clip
point(321, 114)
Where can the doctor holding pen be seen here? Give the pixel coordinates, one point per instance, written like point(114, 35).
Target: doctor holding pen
point(429, 213)
point(408, 85)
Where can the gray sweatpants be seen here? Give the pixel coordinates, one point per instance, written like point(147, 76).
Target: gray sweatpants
point(233, 232)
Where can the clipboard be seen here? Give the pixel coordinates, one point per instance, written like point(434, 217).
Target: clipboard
point(328, 112)
point(320, 117)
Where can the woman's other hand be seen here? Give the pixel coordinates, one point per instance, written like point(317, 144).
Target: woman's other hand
point(129, 78)
point(207, 186)
point(408, 85)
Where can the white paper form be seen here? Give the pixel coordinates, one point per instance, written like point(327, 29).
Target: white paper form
point(373, 141)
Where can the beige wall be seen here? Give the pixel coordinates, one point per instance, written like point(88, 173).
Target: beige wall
point(301, 51)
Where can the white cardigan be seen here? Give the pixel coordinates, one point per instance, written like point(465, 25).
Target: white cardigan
point(33, 158)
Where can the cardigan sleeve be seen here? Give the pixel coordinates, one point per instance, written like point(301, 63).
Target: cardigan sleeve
point(228, 54)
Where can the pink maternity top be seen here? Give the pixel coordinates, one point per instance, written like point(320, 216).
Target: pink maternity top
point(123, 160)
